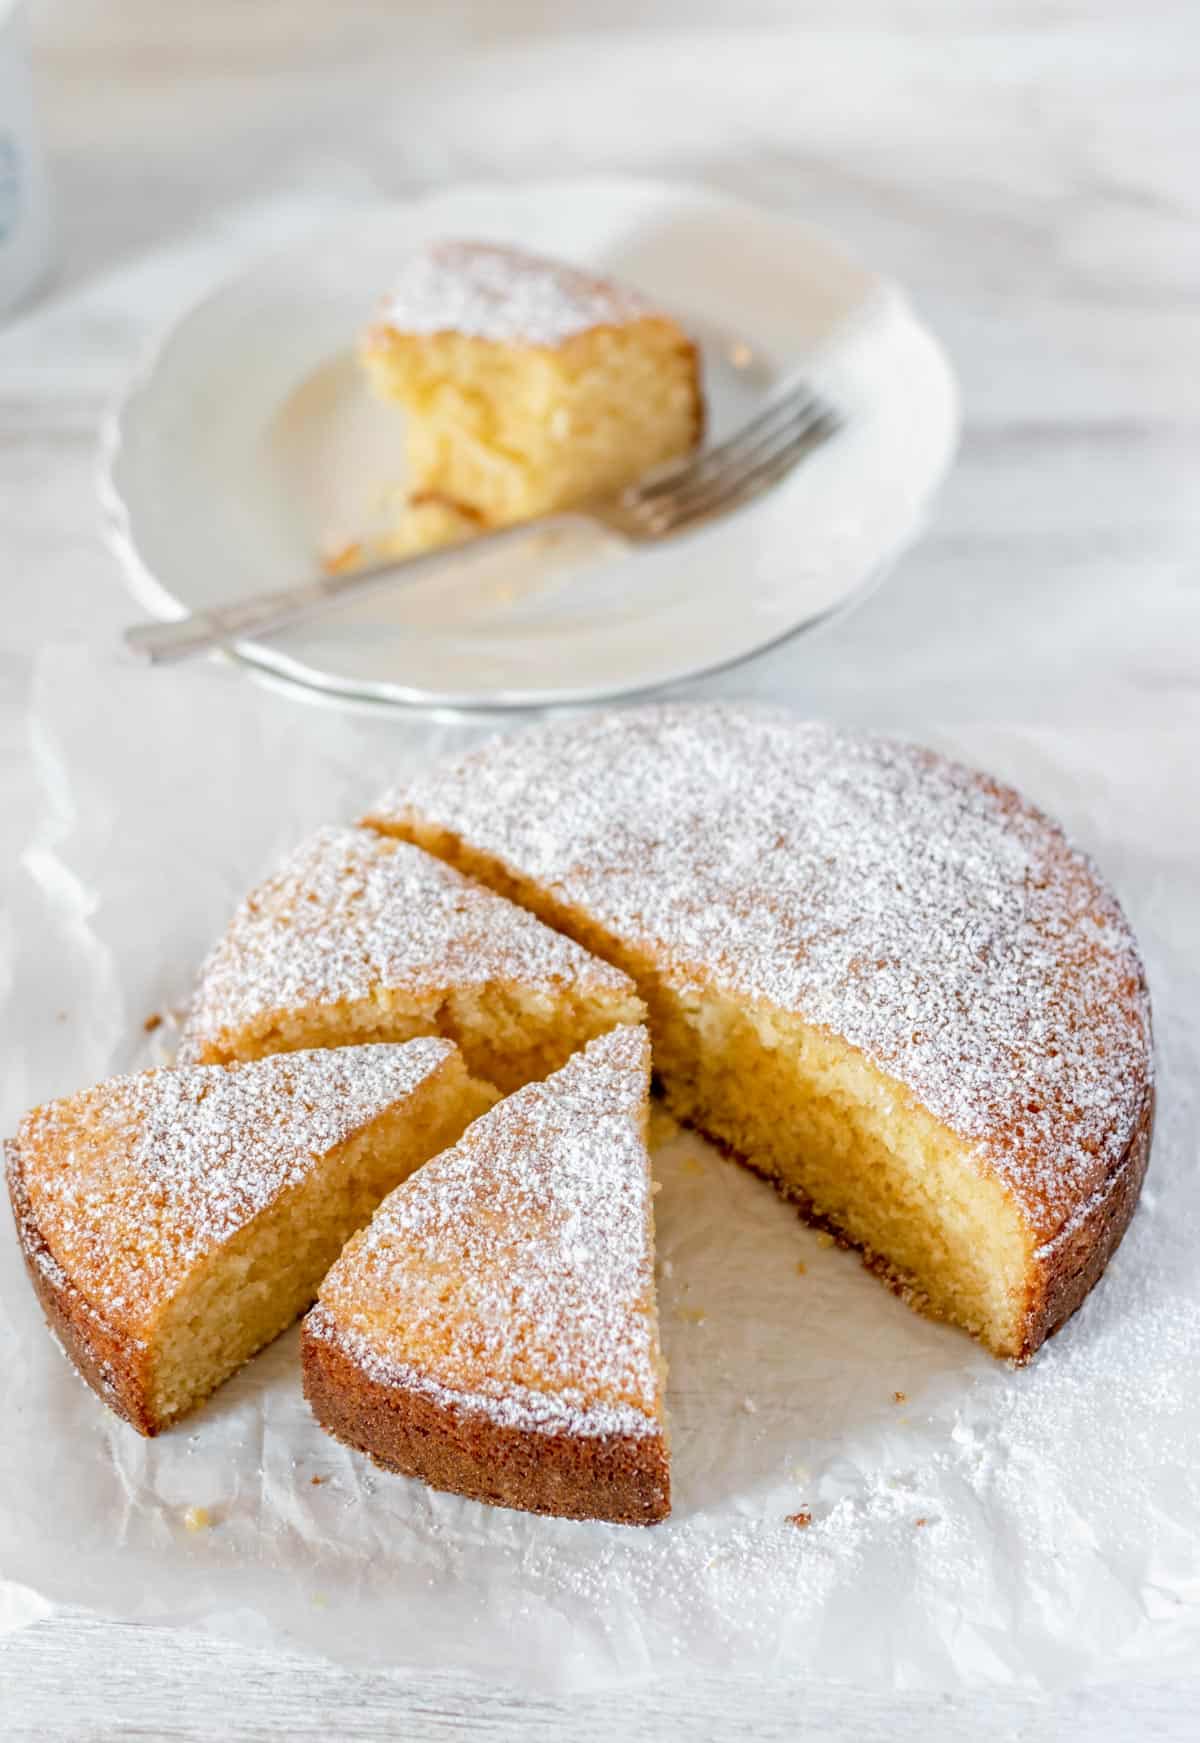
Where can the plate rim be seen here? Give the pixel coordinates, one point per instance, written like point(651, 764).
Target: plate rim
point(315, 685)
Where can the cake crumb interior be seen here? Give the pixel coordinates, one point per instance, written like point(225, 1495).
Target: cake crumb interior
point(508, 1034)
point(242, 1295)
point(511, 431)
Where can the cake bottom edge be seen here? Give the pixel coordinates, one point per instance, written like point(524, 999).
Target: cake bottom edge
point(617, 1478)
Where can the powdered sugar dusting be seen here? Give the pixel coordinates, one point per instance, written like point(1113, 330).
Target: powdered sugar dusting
point(923, 912)
point(133, 1181)
point(513, 1275)
point(503, 294)
point(349, 914)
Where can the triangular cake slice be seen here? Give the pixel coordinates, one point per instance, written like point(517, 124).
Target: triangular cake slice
point(494, 1330)
point(357, 938)
point(174, 1222)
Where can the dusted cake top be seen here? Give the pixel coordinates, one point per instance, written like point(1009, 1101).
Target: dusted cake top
point(349, 913)
point(133, 1181)
point(487, 291)
point(921, 911)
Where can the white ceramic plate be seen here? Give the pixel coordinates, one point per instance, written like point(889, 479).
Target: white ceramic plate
point(248, 446)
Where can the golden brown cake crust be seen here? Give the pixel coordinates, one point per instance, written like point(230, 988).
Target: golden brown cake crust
point(621, 1478)
point(1071, 1265)
point(113, 1363)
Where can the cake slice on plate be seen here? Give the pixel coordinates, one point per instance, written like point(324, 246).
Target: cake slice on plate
point(174, 1222)
point(528, 384)
point(358, 939)
point(494, 1330)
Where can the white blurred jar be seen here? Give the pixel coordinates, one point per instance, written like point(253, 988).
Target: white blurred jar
point(24, 191)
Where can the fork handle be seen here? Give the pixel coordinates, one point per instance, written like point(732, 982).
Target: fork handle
point(202, 631)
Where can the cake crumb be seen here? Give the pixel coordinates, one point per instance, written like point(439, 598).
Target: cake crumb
point(693, 1315)
point(919, 1522)
point(750, 1407)
point(316, 1481)
point(801, 1519)
point(824, 1238)
point(899, 1397)
point(342, 558)
point(197, 1519)
point(801, 1268)
point(667, 1267)
point(152, 1022)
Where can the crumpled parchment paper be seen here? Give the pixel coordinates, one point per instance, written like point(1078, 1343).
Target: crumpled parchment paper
point(969, 1524)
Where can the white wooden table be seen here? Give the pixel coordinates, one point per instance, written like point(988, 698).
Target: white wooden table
point(1027, 168)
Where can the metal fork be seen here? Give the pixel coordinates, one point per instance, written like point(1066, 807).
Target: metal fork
point(670, 500)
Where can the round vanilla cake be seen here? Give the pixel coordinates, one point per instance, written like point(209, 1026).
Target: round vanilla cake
point(882, 979)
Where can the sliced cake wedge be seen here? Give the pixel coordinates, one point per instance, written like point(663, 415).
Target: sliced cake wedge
point(528, 385)
point(494, 1330)
point(174, 1222)
point(357, 938)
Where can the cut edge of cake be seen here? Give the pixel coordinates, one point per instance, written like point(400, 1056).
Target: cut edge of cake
point(529, 385)
point(1016, 1274)
point(494, 1329)
point(175, 1222)
point(356, 939)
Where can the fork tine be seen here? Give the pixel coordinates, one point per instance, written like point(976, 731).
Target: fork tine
point(680, 474)
point(740, 486)
point(805, 416)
